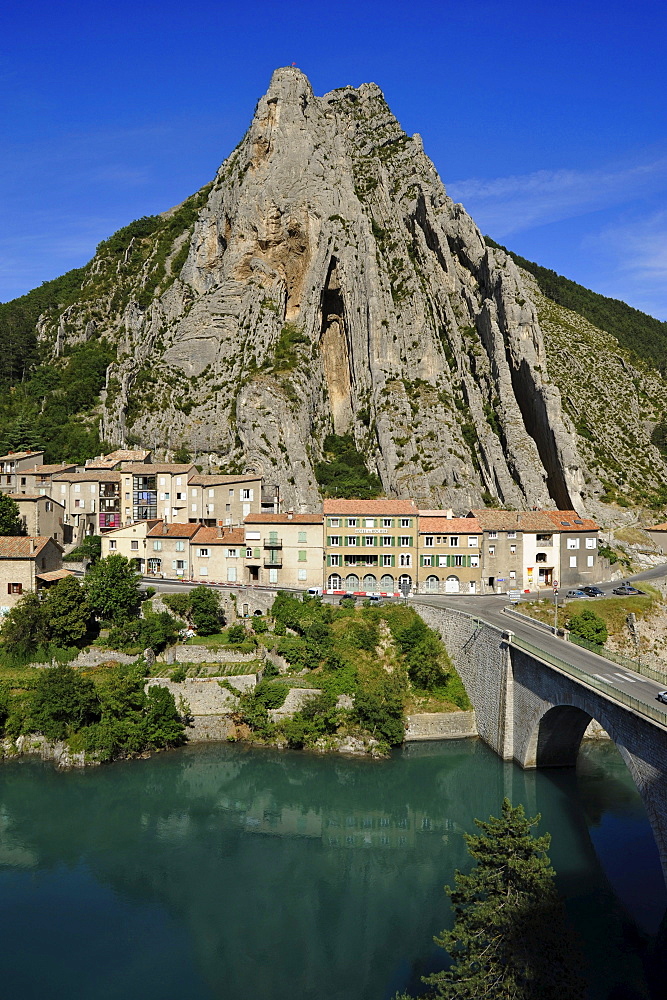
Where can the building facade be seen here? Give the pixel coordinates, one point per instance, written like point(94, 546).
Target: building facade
point(13, 468)
point(23, 562)
point(450, 560)
point(370, 546)
point(284, 550)
point(42, 516)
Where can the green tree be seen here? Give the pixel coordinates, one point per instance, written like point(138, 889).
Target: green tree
point(62, 702)
point(66, 612)
point(24, 628)
point(205, 613)
point(587, 625)
point(112, 589)
point(163, 726)
point(90, 549)
point(510, 940)
point(378, 704)
point(10, 518)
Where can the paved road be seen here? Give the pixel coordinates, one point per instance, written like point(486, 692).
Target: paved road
point(489, 609)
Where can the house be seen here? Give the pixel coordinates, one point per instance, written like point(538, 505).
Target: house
point(91, 499)
point(578, 537)
point(39, 478)
point(42, 516)
point(520, 549)
point(154, 492)
point(658, 535)
point(370, 545)
point(284, 550)
point(217, 499)
point(13, 467)
point(26, 564)
point(118, 459)
point(156, 547)
point(449, 554)
point(217, 554)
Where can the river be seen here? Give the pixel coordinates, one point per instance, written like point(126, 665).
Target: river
point(226, 871)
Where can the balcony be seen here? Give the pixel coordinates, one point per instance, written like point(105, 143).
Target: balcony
point(274, 562)
point(273, 543)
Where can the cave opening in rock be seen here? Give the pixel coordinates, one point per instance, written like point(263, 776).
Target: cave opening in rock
point(335, 350)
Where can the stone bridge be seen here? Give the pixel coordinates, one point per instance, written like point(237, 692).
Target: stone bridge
point(536, 712)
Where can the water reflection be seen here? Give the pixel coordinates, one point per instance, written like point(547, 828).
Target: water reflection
point(274, 875)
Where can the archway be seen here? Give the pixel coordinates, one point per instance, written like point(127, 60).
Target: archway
point(370, 583)
point(556, 739)
point(432, 584)
point(387, 583)
point(334, 582)
point(352, 582)
point(452, 585)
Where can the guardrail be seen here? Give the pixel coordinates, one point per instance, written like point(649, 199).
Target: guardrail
point(535, 622)
point(623, 661)
point(641, 707)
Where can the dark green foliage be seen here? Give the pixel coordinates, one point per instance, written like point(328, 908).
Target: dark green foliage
point(343, 472)
point(112, 589)
point(90, 549)
point(288, 350)
point(587, 625)
point(119, 242)
point(62, 702)
point(318, 717)
point(510, 940)
point(163, 726)
point(378, 704)
point(205, 613)
point(178, 603)
point(66, 613)
point(607, 552)
point(659, 437)
point(236, 633)
point(259, 625)
point(182, 455)
point(10, 518)
point(424, 654)
point(639, 333)
point(154, 631)
point(23, 629)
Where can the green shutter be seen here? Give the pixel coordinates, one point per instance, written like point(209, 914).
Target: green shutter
point(255, 553)
point(412, 539)
point(393, 542)
point(393, 559)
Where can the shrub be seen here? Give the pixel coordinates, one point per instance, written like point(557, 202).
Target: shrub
point(62, 701)
point(589, 626)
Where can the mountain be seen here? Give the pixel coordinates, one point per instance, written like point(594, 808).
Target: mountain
point(323, 296)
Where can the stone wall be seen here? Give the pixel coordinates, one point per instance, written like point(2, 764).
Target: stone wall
point(202, 654)
point(295, 700)
point(204, 695)
point(440, 726)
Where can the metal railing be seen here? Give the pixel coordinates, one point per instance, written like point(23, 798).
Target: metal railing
point(641, 707)
point(623, 661)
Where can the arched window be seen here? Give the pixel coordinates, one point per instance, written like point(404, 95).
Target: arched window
point(404, 582)
point(405, 559)
point(334, 582)
point(387, 583)
point(352, 582)
point(541, 557)
point(370, 583)
point(452, 585)
point(432, 583)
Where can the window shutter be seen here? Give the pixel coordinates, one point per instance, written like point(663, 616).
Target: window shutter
point(393, 559)
point(393, 542)
point(255, 553)
point(9, 588)
point(412, 540)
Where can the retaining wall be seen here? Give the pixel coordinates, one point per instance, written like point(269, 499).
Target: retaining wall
point(440, 726)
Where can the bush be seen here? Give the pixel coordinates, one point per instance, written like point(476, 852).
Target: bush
point(589, 626)
point(205, 613)
point(62, 702)
point(236, 633)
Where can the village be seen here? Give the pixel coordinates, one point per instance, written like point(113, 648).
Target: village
point(175, 523)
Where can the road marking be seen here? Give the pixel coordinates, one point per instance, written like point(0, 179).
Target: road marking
point(626, 677)
point(600, 677)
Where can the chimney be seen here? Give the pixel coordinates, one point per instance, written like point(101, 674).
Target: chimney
point(221, 528)
point(33, 546)
point(290, 515)
point(450, 514)
point(165, 528)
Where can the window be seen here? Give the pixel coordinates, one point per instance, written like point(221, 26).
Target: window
point(454, 541)
point(203, 570)
point(573, 543)
point(93, 487)
point(203, 553)
point(492, 550)
point(302, 537)
point(77, 503)
point(590, 560)
point(474, 562)
point(231, 493)
point(442, 560)
point(334, 522)
point(335, 560)
point(369, 540)
point(511, 534)
point(14, 588)
point(273, 576)
point(351, 540)
point(303, 555)
point(180, 546)
point(427, 560)
point(573, 562)
point(493, 534)
point(386, 522)
point(302, 575)
point(334, 540)
point(228, 508)
point(162, 481)
point(512, 550)
point(386, 540)
point(591, 543)
point(180, 496)
point(211, 493)
point(405, 560)
point(457, 560)
point(406, 522)
point(351, 522)
point(134, 545)
point(404, 540)
point(251, 536)
point(428, 541)
point(231, 574)
point(248, 553)
point(512, 574)
point(193, 493)
point(63, 489)
point(369, 522)
point(246, 494)
point(193, 508)
point(179, 480)
point(157, 546)
point(77, 488)
point(112, 543)
point(231, 553)
point(472, 542)
point(386, 560)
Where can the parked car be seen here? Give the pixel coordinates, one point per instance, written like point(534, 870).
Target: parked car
point(593, 591)
point(574, 594)
point(375, 598)
point(625, 590)
point(347, 597)
point(662, 696)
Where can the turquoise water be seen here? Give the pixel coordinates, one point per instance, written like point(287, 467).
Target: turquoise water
point(232, 872)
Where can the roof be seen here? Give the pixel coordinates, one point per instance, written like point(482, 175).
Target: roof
point(55, 574)
point(128, 455)
point(283, 519)
point(32, 498)
point(12, 456)
point(570, 519)
point(173, 530)
point(370, 507)
point(448, 525)
point(213, 480)
point(212, 536)
point(93, 476)
point(491, 519)
point(21, 546)
point(150, 469)
point(658, 527)
point(50, 470)
point(103, 463)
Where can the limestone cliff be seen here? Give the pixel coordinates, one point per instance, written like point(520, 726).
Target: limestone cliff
point(326, 283)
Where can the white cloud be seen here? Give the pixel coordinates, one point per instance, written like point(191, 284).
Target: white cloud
point(505, 205)
point(634, 256)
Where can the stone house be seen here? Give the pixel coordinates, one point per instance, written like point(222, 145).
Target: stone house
point(42, 516)
point(91, 500)
point(284, 550)
point(217, 499)
point(26, 563)
point(39, 478)
point(579, 539)
point(13, 467)
point(370, 545)
point(449, 554)
point(154, 491)
point(520, 550)
point(217, 554)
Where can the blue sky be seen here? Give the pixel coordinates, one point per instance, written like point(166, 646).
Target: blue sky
point(547, 120)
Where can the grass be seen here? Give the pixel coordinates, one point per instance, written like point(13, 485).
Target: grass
point(613, 610)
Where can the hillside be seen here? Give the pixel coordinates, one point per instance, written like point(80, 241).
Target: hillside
point(323, 297)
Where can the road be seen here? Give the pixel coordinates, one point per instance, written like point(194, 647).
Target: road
point(489, 609)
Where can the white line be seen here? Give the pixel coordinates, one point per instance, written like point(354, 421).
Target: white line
point(626, 677)
point(600, 677)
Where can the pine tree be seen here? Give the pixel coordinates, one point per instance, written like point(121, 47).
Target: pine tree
point(11, 522)
point(509, 940)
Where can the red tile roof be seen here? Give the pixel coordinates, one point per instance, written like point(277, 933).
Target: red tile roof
point(449, 525)
point(150, 470)
point(33, 497)
point(491, 519)
point(575, 522)
point(658, 527)
point(173, 530)
point(283, 519)
point(55, 574)
point(370, 507)
point(50, 470)
point(213, 480)
point(94, 476)
point(23, 547)
point(210, 536)
point(12, 456)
